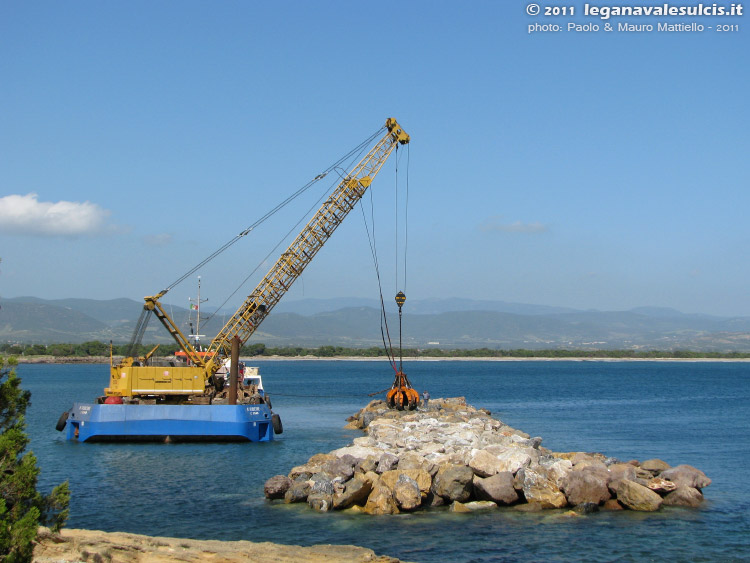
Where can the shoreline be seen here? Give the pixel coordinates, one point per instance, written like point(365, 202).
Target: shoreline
point(251, 359)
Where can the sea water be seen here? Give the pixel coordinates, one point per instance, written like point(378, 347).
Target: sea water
point(694, 413)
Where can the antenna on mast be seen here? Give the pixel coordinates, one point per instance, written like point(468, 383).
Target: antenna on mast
point(195, 305)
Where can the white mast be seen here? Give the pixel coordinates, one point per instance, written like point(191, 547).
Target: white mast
point(197, 336)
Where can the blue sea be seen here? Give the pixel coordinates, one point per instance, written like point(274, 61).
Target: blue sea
point(694, 413)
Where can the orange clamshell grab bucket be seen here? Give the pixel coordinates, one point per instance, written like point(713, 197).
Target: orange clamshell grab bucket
point(401, 395)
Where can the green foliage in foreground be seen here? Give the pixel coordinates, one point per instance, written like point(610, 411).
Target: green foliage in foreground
point(90, 349)
point(22, 507)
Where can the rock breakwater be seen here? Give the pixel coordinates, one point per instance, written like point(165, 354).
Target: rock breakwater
point(454, 454)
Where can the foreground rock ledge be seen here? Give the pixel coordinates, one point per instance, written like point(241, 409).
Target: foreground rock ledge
point(118, 547)
point(454, 454)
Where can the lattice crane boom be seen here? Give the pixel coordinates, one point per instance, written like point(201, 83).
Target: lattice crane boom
point(303, 249)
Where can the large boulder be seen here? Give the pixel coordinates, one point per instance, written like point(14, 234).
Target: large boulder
point(686, 476)
point(313, 465)
point(387, 462)
point(637, 497)
point(322, 502)
point(537, 488)
point(357, 452)
point(340, 468)
point(453, 482)
point(277, 486)
point(484, 464)
point(684, 496)
point(321, 483)
point(586, 485)
point(381, 501)
point(498, 488)
point(298, 491)
point(655, 466)
point(556, 469)
point(620, 471)
point(356, 491)
point(413, 460)
point(513, 459)
point(406, 493)
point(370, 463)
point(420, 476)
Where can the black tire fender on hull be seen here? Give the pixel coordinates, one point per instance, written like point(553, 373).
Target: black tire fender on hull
point(60, 426)
point(276, 424)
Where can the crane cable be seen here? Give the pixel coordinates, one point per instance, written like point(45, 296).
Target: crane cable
point(384, 332)
point(354, 154)
point(142, 323)
point(245, 232)
point(400, 296)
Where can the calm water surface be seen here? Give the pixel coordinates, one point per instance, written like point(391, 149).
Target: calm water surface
point(695, 413)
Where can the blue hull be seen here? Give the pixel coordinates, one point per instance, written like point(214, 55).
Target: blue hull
point(88, 422)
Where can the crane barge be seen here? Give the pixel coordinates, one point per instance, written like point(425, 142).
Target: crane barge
point(188, 402)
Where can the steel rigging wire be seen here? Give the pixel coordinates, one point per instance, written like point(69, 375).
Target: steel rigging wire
point(145, 316)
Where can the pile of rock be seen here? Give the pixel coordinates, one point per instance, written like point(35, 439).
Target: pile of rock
point(455, 454)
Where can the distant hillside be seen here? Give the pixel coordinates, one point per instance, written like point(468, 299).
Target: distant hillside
point(445, 323)
point(417, 306)
point(39, 322)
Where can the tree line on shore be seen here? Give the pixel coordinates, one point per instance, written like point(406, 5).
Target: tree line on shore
point(97, 348)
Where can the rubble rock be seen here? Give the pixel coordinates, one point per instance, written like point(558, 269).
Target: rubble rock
point(387, 462)
point(655, 466)
point(277, 486)
point(484, 464)
point(298, 491)
point(381, 500)
point(419, 476)
point(453, 482)
point(686, 476)
point(406, 493)
point(456, 454)
point(413, 460)
point(620, 471)
point(356, 491)
point(587, 485)
point(538, 489)
point(637, 497)
point(497, 488)
point(513, 459)
point(684, 496)
point(319, 501)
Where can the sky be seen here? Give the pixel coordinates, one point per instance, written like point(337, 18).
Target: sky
point(589, 169)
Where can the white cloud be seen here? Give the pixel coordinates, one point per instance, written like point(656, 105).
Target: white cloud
point(494, 224)
point(25, 214)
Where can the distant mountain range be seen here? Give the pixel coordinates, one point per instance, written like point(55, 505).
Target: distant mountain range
point(439, 323)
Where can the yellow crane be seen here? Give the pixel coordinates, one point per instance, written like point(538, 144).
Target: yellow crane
point(134, 380)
